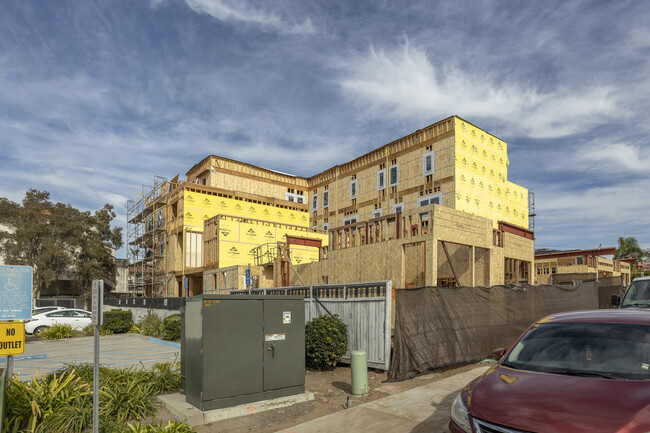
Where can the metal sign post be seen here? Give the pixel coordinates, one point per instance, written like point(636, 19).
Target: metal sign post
point(97, 319)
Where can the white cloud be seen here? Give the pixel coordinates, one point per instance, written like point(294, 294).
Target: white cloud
point(602, 154)
point(240, 12)
point(407, 83)
point(617, 156)
point(608, 212)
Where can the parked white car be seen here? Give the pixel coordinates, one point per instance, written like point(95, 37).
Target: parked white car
point(78, 319)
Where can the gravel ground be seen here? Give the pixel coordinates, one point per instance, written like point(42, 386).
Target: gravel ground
point(331, 393)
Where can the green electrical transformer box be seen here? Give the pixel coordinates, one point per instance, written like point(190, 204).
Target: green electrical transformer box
point(238, 349)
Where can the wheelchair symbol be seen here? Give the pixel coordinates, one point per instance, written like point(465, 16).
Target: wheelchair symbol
point(10, 286)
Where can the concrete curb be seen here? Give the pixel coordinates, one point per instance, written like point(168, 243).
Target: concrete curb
point(165, 343)
point(175, 403)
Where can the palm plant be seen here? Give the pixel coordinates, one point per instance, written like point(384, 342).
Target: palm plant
point(628, 248)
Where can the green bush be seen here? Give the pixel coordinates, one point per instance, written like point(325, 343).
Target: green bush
point(37, 405)
point(117, 321)
point(56, 332)
point(171, 328)
point(89, 331)
point(166, 377)
point(151, 324)
point(125, 395)
point(130, 400)
point(326, 341)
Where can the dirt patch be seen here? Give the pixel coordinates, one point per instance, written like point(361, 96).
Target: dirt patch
point(331, 394)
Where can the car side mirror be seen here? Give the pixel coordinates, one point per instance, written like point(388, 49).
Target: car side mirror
point(499, 352)
point(616, 299)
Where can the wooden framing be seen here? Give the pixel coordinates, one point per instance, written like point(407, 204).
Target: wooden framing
point(585, 262)
point(387, 217)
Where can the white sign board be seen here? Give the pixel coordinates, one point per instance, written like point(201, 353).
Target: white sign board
point(16, 292)
point(98, 302)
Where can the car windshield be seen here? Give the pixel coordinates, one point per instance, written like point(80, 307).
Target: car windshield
point(611, 350)
point(637, 295)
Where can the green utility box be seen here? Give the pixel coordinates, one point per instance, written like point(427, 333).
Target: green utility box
point(238, 349)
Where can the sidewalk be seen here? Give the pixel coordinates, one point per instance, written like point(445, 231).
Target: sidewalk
point(423, 409)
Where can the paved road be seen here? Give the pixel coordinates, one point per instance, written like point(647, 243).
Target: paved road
point(114, 351)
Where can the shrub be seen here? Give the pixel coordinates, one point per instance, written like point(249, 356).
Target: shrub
point(326, 341)
point(89, 331)
point(75, 417)
point(171, 328)
point(62, 401)
point(117, 321)
point(56, 332)
point(165, 377)
point(130, 400)
point(35, 404)
point(151, 324)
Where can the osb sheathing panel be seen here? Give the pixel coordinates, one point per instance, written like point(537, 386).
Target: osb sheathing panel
point(384, 260)
point(461, 260)
point(173, 253)
point(414, 257)
point(515, 247)
point(481, 267)
point(381, 261)
point(411, 177)
point(518, 247)
point(234, 277)
point(247, 185)
point(215, 164)
point(462, 228)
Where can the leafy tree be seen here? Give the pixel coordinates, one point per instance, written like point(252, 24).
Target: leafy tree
point(57, 239)
point(628, 248)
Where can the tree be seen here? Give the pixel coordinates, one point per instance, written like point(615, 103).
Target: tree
point(628, 248)
point(95, 258)
point(57, 239)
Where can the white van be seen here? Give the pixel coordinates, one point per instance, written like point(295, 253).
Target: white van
point(637, 295)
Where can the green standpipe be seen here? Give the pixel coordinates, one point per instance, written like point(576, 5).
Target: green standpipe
point(359, 368)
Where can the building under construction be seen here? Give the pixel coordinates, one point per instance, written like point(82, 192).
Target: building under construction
point(554, 267)
point(432, 208)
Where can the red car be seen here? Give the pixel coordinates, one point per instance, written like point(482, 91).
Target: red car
point(581, 372)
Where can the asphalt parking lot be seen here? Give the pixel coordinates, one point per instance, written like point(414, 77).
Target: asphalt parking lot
point(114, 351)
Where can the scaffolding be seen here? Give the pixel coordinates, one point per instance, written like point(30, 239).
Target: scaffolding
point(147, 238)
point(531, 211)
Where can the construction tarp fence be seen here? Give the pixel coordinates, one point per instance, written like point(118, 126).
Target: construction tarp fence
point(607, 286)
point(437, 326)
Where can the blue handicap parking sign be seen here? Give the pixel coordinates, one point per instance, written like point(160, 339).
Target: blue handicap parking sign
point(16, 292)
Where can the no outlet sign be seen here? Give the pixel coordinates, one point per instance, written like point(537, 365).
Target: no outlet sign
point(12, 338)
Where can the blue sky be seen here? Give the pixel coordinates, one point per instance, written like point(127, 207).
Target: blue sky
point(97, 97)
